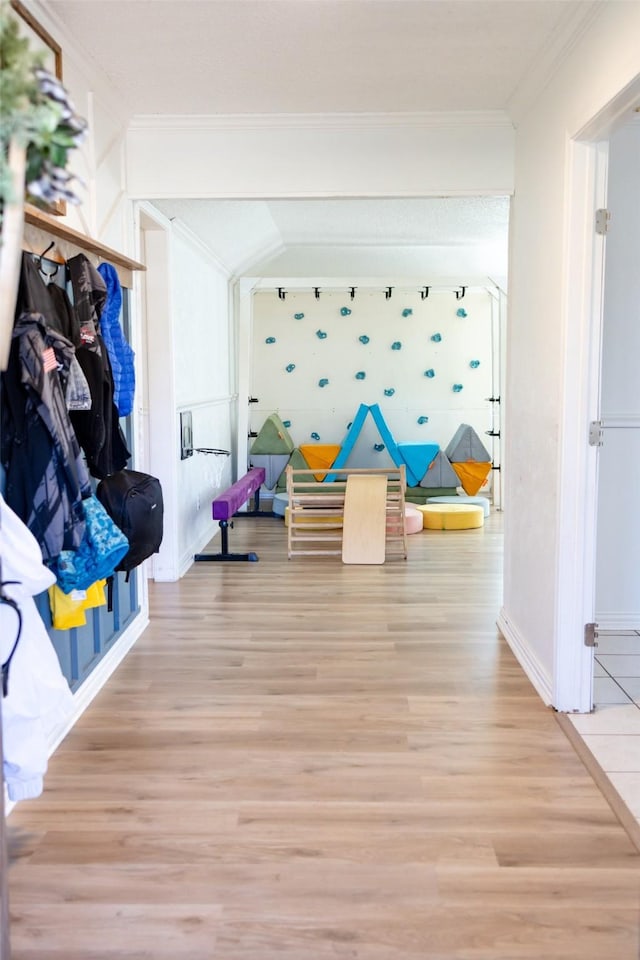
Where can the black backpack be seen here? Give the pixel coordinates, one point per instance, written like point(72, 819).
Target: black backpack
point(133, 500)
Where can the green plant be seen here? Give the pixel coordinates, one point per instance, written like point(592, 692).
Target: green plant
point(37, 116)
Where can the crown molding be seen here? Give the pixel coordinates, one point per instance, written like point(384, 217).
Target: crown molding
point(319, 121)
point(574, 21)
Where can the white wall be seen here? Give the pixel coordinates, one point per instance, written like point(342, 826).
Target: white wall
point(321, 156)
point(618, 554)
point(540, 358)
point(200, 322)
point(338, 356)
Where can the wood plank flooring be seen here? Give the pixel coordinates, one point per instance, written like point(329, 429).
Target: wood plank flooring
point(304, 760)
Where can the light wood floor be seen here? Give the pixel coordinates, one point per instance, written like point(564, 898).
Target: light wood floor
point(303, 760)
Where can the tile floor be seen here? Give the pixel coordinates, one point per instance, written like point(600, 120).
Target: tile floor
point(612, 731)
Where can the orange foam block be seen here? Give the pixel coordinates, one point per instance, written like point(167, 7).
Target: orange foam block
point(472, 475)
point(320, 455)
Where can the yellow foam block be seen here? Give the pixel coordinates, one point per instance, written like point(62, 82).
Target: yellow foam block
point(472, 474)
point(319, 455)
point(334, 519)
point(451, 516)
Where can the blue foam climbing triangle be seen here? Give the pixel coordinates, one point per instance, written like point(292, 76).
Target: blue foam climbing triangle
point(417, 457)
point(354, 432)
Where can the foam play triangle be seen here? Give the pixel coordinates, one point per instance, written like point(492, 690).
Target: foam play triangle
point(273, 437)
point(319, 455)
point(466, 445)
point(354, 432)
point(472, 475)
point(417, 457)
point(440, 473)
point(273, 463)
point(297, 462)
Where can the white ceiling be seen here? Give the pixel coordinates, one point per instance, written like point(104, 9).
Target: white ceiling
point(326, 56)
point(310, 56)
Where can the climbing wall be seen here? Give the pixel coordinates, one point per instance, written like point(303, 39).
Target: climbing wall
point(427, 363)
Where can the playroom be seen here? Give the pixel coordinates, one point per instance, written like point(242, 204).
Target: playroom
point(375, 377)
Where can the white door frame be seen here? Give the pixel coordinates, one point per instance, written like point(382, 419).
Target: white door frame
point(582, 349)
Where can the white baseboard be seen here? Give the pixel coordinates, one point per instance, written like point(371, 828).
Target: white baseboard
point(93, 684)
point(628, 620)
point(526, 658)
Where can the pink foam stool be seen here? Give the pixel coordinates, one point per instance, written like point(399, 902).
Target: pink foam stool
point(412, 520)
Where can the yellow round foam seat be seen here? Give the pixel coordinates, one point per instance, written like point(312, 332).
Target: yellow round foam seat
point(451, 516)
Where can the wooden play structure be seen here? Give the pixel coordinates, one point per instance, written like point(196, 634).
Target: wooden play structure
point(358, 516)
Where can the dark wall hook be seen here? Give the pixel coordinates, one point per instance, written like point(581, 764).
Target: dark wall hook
point(460, 293)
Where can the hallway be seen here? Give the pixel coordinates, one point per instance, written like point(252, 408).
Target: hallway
point(303, 760)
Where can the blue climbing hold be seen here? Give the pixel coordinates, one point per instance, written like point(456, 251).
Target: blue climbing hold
point(437, 337)
point(378, 447)
point(349, 425)
point(430, 373)
point(323, 382)
point(270, 340)
point(344, 311)
point(364, 338)
point(457, 387)
point(286, 423)
point(396, 345)
point(290, 367)
point(474, 364)
point(298, 316)
point(422, 420)
point(321, 335)
point(407, 312)
point(360, 375)
point(461, 312)
point(390, 392)
point(315, 436)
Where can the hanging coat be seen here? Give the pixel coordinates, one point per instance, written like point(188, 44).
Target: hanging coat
point(38, 701)
point(46, 477)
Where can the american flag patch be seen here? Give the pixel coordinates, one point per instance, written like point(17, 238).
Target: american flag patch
point(49, 361)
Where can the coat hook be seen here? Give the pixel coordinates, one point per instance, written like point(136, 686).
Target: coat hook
point(352, 292)
point(460, 293)
point(424, 293)
point(316, 290)
point(387, 293)
point(281, 293)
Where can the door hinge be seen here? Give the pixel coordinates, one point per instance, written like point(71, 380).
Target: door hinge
point(591, 634)
point(596, 433)
point(603, 216)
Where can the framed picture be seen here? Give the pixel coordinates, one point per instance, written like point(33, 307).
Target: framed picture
point(41, 41)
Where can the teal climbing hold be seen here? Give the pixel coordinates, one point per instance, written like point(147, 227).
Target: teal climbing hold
point(315, 436)
point(286, 423)
point(270, 340)
point(364, 338)
point(437, 337)
point(407, 312)
point(396, 345)
point(430, 373)
point(290, 367)
point(422, 420)
point(378, 447)
point(457, 387)
point(321, 335)
point(461, 312)
point(349, 425)
point(323, 382)
point(390, 392)
point(360, 375)
point(298, 316)
point(344, 311)
point(474, 364)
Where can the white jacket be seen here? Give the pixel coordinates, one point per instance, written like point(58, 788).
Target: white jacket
point(39, 698)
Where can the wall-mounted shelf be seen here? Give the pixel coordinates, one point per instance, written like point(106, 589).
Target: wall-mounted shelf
point(51, 226)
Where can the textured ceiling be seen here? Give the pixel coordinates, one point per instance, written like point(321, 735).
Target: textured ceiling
point(327, 56)
point(310, 56)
